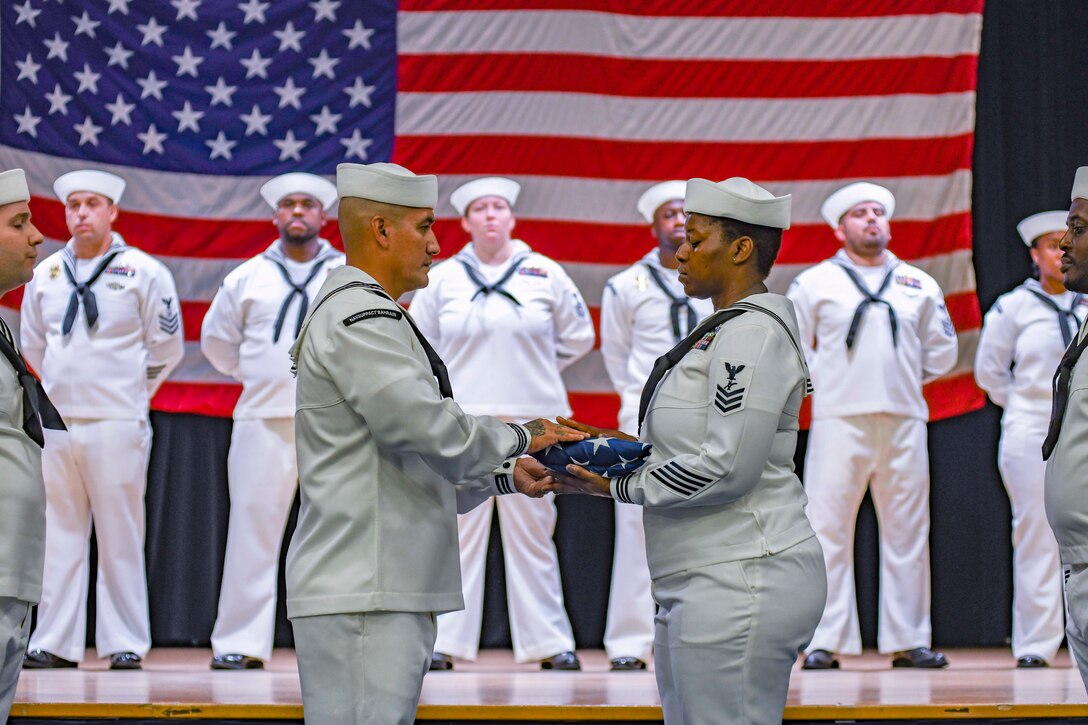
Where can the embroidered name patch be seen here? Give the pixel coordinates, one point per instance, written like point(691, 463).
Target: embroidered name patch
point(370, 314)
point(732, 387)
point(533, 271)
point(121, 271)
point(912, 282)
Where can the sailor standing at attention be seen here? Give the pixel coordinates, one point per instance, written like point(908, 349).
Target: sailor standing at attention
point(247, 334)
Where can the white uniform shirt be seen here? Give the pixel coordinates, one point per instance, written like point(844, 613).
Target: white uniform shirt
point(1020, 348)
point(719, 483)
point(238, 331)
point(875, 376)
point(637, 328)
point(505, 359)
point(112, 371)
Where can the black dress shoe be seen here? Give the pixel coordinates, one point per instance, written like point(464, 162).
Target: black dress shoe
point(441, 661)
point(236, 662)
point(820, 659)
point(921, 657)
point(1030, 662)
point(39, 659)
point(561, 661)
point(627, 664)
point(125, 661)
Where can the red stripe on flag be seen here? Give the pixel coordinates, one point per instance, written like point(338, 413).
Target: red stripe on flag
point(192, 317)
point(655, 160)
point(216, 399)
point(964, 311)
point(711, 8)
point(597, 409)
point(667, 78)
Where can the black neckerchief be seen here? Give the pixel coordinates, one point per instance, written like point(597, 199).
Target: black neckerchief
point(38, 409)
point(679, 304)
point(871, 298)
point(82, 291)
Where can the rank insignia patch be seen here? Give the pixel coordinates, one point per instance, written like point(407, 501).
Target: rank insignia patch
point(732, 386)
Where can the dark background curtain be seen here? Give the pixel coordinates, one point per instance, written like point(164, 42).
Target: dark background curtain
point(1031, 134)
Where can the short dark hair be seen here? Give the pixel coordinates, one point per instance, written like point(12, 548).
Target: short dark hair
point(768, 240)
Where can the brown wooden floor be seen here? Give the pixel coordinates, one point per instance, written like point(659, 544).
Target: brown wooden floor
point(176, 683)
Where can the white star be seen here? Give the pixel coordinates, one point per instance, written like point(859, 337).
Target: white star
point(88, 132)
point(84, 24)
point(221, 92)
point(152, 32)
point(289, 147)
point(187, 62)
point(58, 101)
point(325, 9)
point(360, 93)
point(121, 5)
point(119, 55)
point(88, 79)
point(221, 146)
point(600, 442)
point(221, 37)
point(289, 37)
point(255, 65)
point(188, 118)
point(289, 94)
point(151, 86)
point(326, 121)
point(254, 10)
point(58, 48)
point(186, 8)
point(28, 68)
point(323, 64)
point(359, 35)
point(28, 123)
point(121, 110)
point(27, 14)
point(256, 121)
point(152, 140)
point(356, 145)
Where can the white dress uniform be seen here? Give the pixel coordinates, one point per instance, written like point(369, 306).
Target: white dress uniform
point(870, 351)
point(247, 334)
point(22, 529)
point(1022, 340)
point(644, 313)
point(374, 556)
point(100, 374)
point(737, 570)
point(505, 338)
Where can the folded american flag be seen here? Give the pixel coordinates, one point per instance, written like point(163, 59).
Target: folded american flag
point(608, 457)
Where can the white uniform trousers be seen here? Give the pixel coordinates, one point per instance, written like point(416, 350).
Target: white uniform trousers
point(629, 629)
point(14, 633)
point(96, 471)
point(363, 669)
point(262, 477)
point(1037, 586)
point(728, 635)
point(539, 626)
point(887, 454)
point(1075, 577)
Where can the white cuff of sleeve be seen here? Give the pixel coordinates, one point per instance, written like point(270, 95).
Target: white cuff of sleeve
point(503, 477)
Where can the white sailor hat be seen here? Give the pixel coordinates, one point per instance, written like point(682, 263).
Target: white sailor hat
point(657, 195)
point(108, 185)
point(851, 195)
point(299, 183)
point(13, 187)
point(737, 198)
point(463, 196)
point(1042, 223)
point(387, 183)
point(1080, 184)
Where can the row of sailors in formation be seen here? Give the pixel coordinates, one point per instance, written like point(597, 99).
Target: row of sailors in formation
point(101, 323)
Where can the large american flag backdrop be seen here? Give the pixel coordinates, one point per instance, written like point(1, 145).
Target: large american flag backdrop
point(585, 102)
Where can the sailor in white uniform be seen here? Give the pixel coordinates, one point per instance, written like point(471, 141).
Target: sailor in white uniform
point(875, 329)
point(644, 313)
point(507, 321)
point(737, 570)
point(1022, 341)
point(101, 324)
point(22, 492)
point(247, 334)
point(380, 444)
point(1065, 448)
